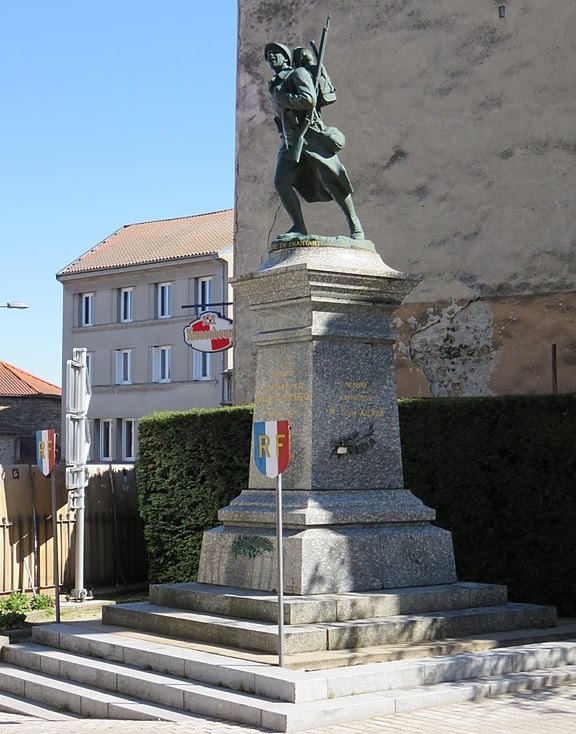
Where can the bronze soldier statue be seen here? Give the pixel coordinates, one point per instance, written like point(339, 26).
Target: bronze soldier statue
point(307, 160)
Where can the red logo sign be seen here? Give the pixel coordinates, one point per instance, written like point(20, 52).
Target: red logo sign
point(209, 333)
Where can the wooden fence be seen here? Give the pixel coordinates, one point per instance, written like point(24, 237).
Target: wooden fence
point(115, 554)
point(114, 547)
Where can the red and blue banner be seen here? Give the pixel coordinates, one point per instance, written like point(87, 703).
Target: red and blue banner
point(271, 446)
point(46, 450)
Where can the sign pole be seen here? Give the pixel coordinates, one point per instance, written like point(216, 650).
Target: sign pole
point(79, 591)
point(271, 449)
point(46, 460)
point(55, 549)
point(78, 392)
point(280, 574)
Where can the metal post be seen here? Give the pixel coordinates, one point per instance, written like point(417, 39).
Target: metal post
point(77, 446)
point(280, 574)
point(79, 592)
point(554, 371)
point(55, 549)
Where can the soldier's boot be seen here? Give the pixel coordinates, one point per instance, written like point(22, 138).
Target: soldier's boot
point(347, 206)
point(293, 208)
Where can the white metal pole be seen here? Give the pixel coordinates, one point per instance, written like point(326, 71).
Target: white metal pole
point(80, 591)
point(280, 574)
point(55, 548)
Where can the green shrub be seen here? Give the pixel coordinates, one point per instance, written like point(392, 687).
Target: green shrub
point(16, 603)
point(13, 610)
point(498, 471)
point(190, 465)
point(41, 601)
point(500, 474)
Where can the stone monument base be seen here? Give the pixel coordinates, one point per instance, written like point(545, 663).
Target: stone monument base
point(333, 542)
point(246, 619)
point(325, 363)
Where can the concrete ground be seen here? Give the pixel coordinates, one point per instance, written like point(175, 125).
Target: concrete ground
point(539, 712)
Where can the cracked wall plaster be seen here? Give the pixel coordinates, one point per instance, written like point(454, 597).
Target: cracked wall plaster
point(453, 348)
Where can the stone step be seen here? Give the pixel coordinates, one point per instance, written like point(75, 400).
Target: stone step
point(167, 657)
point(78, 698)
point(254, 635)
point(263, 606)
point(566, 630)
point(282, 717)
point(11, 704)
point(281, 684)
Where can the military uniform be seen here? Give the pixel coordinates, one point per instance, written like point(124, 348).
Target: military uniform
point(320, 174)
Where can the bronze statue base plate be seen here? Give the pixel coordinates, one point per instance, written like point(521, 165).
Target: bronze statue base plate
point(293, 239)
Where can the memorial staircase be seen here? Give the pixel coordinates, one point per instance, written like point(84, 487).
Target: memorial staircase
point(195, 651)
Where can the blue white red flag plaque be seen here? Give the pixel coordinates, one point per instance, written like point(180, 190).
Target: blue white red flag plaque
point(211, 332)
point(46, 450)
point(271, 446)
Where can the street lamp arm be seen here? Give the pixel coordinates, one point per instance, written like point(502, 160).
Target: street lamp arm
point(14, 304)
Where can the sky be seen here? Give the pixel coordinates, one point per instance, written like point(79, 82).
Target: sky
point(113, 112)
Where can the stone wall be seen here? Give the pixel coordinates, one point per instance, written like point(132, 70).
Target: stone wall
point(462, 152)
point(20, 418)
point(8, 449)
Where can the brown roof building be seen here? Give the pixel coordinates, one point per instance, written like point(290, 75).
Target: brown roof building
point(15, 382)
point(27, 404)
point(158, 241)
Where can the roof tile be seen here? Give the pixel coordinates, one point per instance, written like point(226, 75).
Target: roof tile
point(15, 382)
point(161, 240)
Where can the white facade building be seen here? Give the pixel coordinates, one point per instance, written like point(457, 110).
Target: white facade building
point(127, 301)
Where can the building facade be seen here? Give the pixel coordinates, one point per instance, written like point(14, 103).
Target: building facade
point(27, 404)
point(459, 123)
point(127, 301)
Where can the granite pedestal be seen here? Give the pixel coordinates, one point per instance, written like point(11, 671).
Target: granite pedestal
point(325, 362)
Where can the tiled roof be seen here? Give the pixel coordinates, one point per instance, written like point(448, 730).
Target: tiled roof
point(162, 240)
point(15, 382)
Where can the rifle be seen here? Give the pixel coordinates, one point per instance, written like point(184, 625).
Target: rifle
point(296, 150)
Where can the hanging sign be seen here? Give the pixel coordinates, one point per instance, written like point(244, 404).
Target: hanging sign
point(211, 332)
point(46, 450)
point(271, 446)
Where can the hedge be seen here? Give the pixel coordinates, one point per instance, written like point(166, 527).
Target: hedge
point(190, 464)
point(500, 473)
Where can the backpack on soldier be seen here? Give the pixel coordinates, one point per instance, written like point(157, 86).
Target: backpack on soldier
point(304, 58)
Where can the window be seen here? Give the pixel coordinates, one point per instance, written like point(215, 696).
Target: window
point(87, 309)
point(202, 366)
point(123, 364)
point(164, 300)
point(89, 358)
point(227, 384)
point(161, 364)
point(204, 294)
point(126, 305)
point(106, 438)
point(128, 432)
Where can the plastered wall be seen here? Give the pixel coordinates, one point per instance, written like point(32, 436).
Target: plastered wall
point(461, 147)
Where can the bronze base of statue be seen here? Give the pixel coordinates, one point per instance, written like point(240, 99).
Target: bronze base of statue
point(294, 239)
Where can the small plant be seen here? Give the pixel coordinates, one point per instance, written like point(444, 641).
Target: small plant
point(16, 603)
point(41, 601)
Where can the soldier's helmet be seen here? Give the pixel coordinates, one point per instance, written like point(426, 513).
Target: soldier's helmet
point(278, 47)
